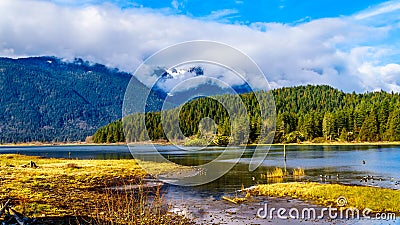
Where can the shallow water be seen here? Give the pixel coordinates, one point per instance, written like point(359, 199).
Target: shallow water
point(341, 163)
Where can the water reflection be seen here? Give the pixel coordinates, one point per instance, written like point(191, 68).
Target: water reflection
point(382, 162)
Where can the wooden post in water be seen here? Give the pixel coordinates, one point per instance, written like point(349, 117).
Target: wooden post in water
point(284, 151)
point(284, 157)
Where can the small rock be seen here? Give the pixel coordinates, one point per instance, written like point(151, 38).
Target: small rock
point(231, 211)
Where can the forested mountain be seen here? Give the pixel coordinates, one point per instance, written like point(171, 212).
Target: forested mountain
point(47, 99)
point(304, 113)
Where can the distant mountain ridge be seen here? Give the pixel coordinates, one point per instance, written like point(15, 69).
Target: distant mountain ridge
point(47, 99)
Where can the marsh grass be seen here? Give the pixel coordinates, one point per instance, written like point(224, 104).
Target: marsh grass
point(360, 197)
point(299, 172)
point(277, 174)
point(65, 187)
point(139, 206)
point(72, 165)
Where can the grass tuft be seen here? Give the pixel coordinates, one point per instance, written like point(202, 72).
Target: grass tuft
point(72, 165)
point(131, 207)
point(276, 173)
point(299, 172)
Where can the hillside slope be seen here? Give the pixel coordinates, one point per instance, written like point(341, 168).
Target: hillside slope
point(46, 99)
point(304, 113)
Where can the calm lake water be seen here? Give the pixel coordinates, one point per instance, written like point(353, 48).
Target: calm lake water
point(381, 162)
point(340, 164)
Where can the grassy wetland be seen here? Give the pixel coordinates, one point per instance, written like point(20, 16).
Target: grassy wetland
point(59, 188)
point(81, 189)
point(360, 197)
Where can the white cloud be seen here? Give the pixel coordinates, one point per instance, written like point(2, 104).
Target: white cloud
point(223, 15)
point(217, 72)
point(383, 8)
point(332, 51)
point(381, 77)
point(177, 5)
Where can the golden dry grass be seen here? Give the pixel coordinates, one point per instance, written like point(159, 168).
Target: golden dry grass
point(299, 172)
point(276, 173)
point(360, 197)
point(61, 187)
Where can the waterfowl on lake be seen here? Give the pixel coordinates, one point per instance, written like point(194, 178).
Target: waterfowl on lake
point(363, 162)
point(364, 179)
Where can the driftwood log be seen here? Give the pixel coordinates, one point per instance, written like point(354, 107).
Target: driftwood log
point(234, 200)
point(33, 165)
point(14, 216)
point(21, 219)
point(5, 207)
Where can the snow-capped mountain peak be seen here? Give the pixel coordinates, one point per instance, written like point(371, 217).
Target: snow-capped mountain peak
point(175, 73)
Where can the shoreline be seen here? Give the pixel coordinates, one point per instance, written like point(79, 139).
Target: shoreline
point(209, 210)
point(386, 143)
point(58, 144)
point(332, 143)
point(214, 210)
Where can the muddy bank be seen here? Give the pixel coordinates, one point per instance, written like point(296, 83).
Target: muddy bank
point(216, 211)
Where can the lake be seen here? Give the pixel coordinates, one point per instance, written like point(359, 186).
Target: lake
point(351, 163)
point(339, 164)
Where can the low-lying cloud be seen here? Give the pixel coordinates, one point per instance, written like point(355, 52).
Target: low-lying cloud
point(334, 51)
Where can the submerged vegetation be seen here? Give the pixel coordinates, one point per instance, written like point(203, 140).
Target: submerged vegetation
point(61, 187)
point(299, 172)
point(277, 173)
point(306, 113)
point(360, 197)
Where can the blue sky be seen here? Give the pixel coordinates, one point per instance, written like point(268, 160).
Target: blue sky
point(351, 45)
point(285, 11)
point(246, 12)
